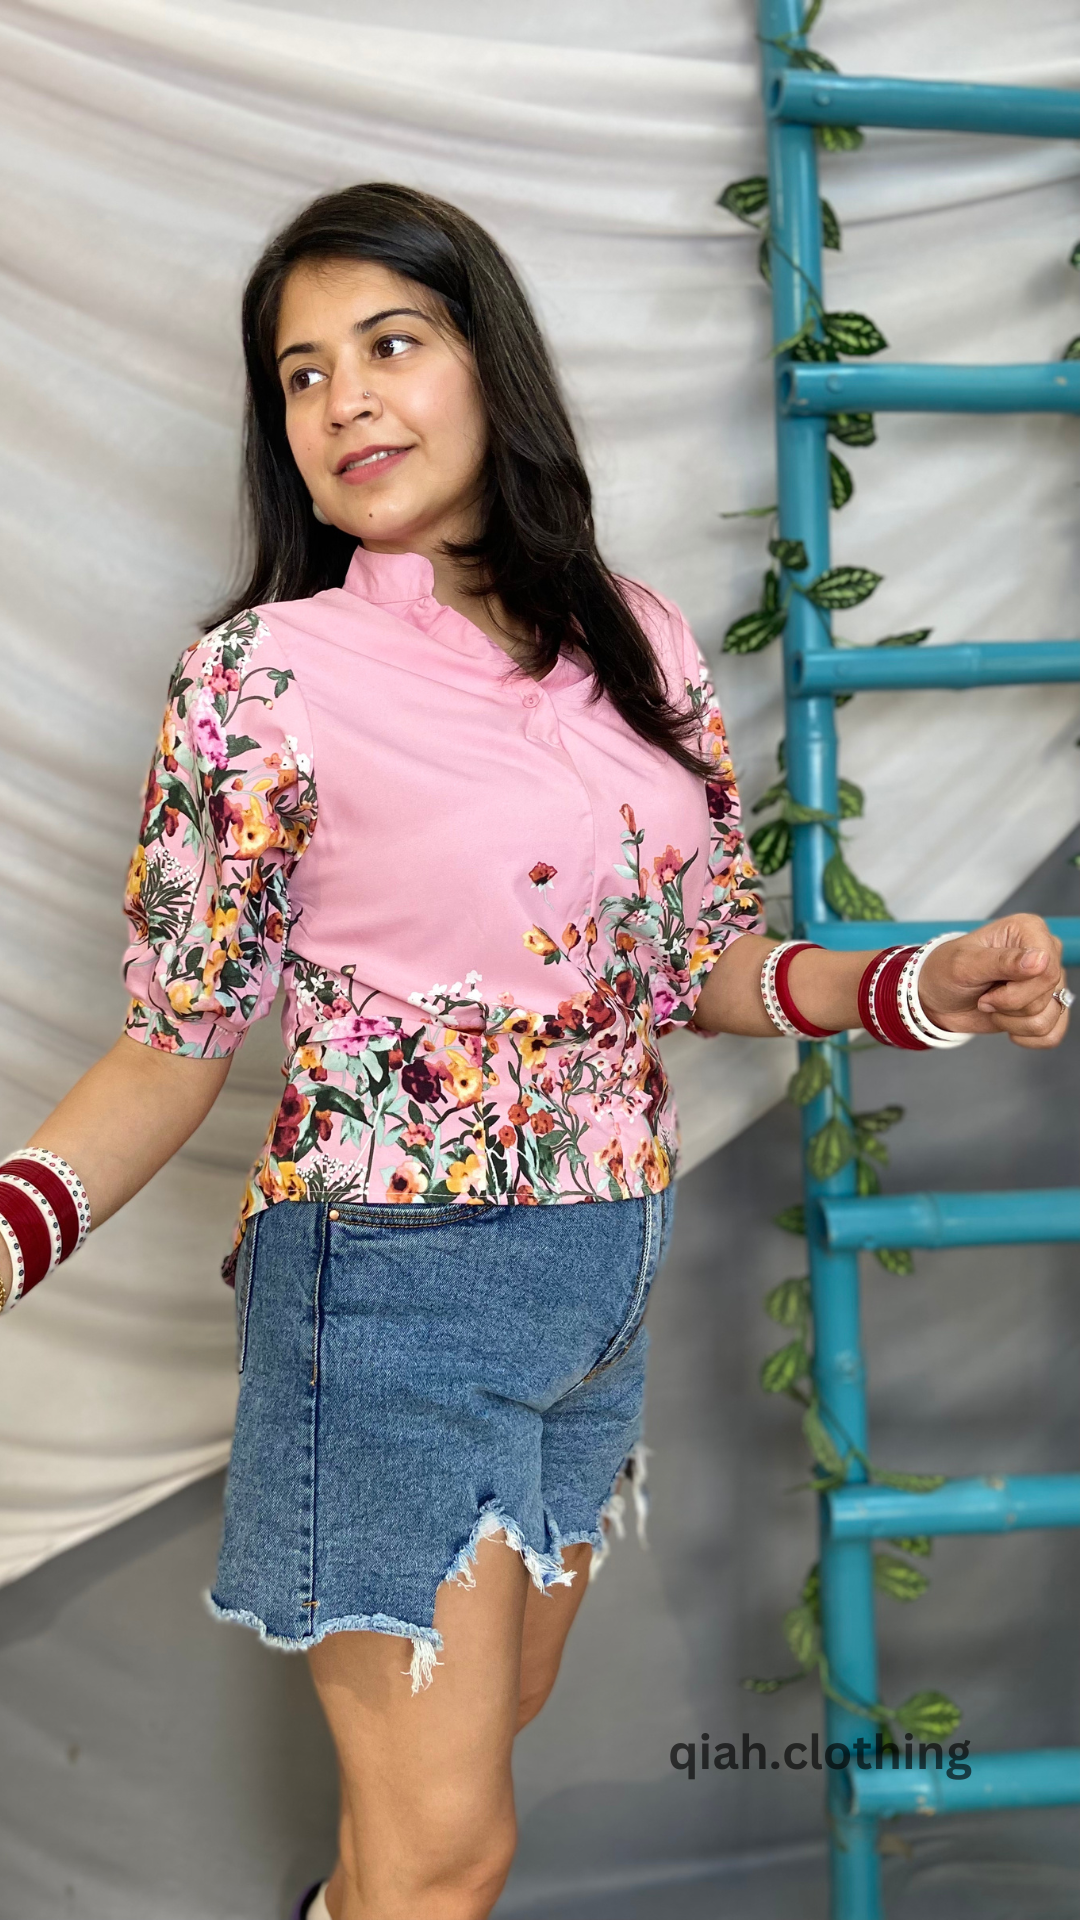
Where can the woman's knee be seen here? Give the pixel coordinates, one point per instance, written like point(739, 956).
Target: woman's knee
point(443, 1873)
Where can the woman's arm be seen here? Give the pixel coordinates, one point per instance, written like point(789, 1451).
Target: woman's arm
point(124, 1119)
point(999, 979)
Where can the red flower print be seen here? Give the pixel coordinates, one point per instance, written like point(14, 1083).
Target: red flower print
point(628, 815)
point(507, 1135)
point(420, 1083)
point(542, 1122)
point(542, 874)
point(625, 987)
point(291, 1114)
point(324, 1123)
point(518, 1114)
point(666, 865)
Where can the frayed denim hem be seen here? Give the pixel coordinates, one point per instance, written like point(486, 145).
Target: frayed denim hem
point(426, 1641)
point(544, 1569)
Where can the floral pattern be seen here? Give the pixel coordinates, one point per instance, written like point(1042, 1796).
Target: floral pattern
point(476, 1098)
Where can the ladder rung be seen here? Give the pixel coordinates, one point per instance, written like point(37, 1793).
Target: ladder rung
point(1041, 1777)
point(946, 106)
point(1051, 386)
point(1036, 1216)
point(861, 936)
point(994, 1504)
point(974, 663)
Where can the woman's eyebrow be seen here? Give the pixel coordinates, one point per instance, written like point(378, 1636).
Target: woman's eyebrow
point(362, 326)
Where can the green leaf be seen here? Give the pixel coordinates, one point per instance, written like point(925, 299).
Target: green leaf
point(841, 484)
point(899, 1580)
point(852, 429)
point(746, 198)
point(790, 553)
point(879, 1119)
point(871, 1148)
point(801, 1634)
point(1074, 257)
point(799, 816)
point(238, 743)
point(771, 846)
point(919, 1543)
point(811, 348)
point(808, 60)
point(784, 1367)
point(750, 513)
point(789, 1303)
point(839, 139)
point(813, 1076)
point(929, 1716)
point(1072, 351)
point(770, 590)
point(821, 1444)
point(852, 800)
point(840, 587)
point(909, 1482)
point(778, 791)
point(811, 1590)
point(830, 1149)
point(914, 639)
point(898, 1260)
point(866, 1180)
point(791, 1219)
point(764, 262)
point(809, 17)
point(830, 229)
point(848, 896)
point(853, 334)
point(753, 632)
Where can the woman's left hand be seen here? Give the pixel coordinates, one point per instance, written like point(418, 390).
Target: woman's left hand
point(1000, 979)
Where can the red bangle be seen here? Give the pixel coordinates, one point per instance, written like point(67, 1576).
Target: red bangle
point(33, 1235)
point(879, 1004)
point(52, 1189)
point(783, 994)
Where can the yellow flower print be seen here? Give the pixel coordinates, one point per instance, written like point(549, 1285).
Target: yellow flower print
point(182, 994)
point(222, 924)
point(253, 832)
point(539, 942)
point(293, 1184)
point(465, 1176)
point(533, 1051)
point(309, 1058)
point(465, 1079)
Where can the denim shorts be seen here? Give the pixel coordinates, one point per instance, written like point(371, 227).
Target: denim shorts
point(413, 1379)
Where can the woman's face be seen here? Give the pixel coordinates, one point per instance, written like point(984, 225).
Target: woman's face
point(382, 406)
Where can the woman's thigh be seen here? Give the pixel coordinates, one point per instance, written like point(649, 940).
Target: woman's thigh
point(427, 1795)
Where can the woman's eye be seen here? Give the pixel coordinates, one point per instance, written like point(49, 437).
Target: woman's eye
point(391, 344)
point(303, 378)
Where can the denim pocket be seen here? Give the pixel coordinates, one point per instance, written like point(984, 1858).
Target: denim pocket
point(451, 1213)
point(245, 1262)
point(654, 1238)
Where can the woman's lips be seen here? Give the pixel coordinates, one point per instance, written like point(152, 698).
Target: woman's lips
point(369, 467)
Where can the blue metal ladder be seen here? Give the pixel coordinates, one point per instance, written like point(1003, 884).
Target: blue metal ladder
point(838, 1223)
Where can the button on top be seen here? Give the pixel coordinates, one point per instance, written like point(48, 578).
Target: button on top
point(530, 699)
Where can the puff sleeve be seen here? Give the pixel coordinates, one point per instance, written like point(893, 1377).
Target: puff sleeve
point(730, 906)
point(230, 806)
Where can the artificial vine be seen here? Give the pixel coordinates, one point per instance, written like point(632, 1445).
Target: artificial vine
point(846, 1135)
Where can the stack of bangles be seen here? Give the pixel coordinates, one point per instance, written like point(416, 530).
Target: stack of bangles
point(44, 1217)
point(889, 1004)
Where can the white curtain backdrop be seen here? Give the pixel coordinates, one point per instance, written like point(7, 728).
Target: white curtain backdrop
point(147, 148)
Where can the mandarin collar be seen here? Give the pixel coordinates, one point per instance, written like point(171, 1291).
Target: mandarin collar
point(390, 578)
point(408, 579)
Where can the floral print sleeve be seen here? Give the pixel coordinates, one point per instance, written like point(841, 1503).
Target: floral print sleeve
point(730, 906)
point(230, 806)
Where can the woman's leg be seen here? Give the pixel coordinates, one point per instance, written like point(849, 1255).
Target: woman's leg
point(427, 1812)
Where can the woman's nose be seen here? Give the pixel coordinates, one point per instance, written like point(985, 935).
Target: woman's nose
point(350, 398)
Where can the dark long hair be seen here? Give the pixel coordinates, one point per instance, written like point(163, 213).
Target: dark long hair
point(536, 548)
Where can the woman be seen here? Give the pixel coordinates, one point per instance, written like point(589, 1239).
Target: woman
point(470, 796)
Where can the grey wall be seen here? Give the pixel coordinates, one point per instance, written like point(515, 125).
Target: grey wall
point(153, 1762)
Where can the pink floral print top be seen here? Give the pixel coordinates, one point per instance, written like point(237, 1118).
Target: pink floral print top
point(486, 896)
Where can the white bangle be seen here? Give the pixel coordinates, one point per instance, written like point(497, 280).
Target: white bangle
point(912, 1011)
point(18, 1270)
point(768, 988)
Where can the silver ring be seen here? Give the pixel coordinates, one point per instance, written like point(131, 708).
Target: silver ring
point(1064, 997)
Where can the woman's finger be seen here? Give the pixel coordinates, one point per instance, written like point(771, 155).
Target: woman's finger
point(1051, 1039)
